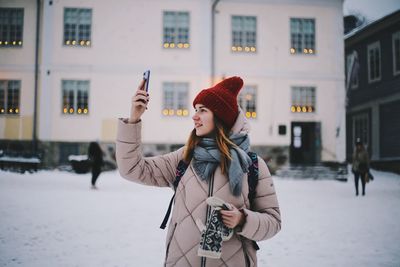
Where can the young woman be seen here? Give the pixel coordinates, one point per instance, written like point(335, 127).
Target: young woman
point(216, 152)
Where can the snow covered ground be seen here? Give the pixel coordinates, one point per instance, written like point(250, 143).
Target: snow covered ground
point(53, 218)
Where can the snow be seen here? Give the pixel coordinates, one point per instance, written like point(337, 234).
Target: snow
point(53, 218)
point(78, 157)
point(19, 159)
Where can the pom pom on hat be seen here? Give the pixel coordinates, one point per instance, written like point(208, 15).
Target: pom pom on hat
point(221, 99)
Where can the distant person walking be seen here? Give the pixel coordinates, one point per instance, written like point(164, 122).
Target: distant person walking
point(96, 158)
point(360, 166)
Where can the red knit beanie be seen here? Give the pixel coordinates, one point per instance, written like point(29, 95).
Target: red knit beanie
point(222, 99)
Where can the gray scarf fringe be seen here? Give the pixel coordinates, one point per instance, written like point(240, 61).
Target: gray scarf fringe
point(206, 159)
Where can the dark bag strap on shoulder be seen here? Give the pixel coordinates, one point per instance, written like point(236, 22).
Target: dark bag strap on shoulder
point(180, 171)
point(252, 181)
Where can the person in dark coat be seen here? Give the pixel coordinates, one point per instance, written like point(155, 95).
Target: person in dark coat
point(96, 158)
point(360, 166)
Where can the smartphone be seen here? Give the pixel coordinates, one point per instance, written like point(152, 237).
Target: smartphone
point(146, 77)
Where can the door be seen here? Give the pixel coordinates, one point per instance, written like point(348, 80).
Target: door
point(305, 146)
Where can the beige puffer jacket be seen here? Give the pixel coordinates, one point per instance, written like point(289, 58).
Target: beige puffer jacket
point(183, 236)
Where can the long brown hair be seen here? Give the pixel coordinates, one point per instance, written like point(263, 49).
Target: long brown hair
point(220, 134)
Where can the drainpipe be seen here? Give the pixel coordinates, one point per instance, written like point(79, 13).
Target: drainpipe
point(213, 10)
point(35, 113)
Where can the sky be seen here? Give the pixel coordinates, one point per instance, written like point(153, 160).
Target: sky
point(372, 10)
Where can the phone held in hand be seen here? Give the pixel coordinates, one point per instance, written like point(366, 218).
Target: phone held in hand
point(146, 77)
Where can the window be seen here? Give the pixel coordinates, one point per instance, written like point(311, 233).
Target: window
point(303, 99)
point(244, 33)
point(361, 128)
point(396, 53)
point(374, 62)
point(282, 129)
point(9, 96)
point(77, 26)
point(176, 29)
point(11, 27)
point(248, 101)
point(75, 97)
point(302, 33)
point(175, 99)
point(352, 74)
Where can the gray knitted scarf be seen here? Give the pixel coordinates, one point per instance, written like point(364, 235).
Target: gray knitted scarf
point(206, 158)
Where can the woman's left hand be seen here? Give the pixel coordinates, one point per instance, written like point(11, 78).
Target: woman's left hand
point(233, 217)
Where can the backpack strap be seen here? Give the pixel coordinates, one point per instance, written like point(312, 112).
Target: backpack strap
point(252, 177)
point(252, 180)
point(180, 171)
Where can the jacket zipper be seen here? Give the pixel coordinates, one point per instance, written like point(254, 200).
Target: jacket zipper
point(210, 193)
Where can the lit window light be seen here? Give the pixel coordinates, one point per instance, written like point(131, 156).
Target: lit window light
point(172, 45)
point(14, 43)
point(234, 48)
point(171, 112)
point(166, 45)
point(240, 48)
point(310, 109)
point(85, 111)
point(20, 42)
point(247, 49)
point(185, 112)
point(5, 42)
point(305, 51)
point(73, 42)
point(253, 49)
point(71, 110)
point(180, 45)
point(293, 109)
point(304, 109)
point(165, 112)
point(65, 110)
point(79, 111)
point(292, 50)
point(82, 42)
point(67, 42)
point(1, 42)
point(298, 109)
point(87, 43)
point(254, 114)
point(310, 51)
point(2, 110)
point(186, 45)
point(10, 110)
point(16, 110)
point(179, 112)
point(248, 114)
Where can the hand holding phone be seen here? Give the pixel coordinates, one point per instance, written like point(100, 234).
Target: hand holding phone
point(146, 78)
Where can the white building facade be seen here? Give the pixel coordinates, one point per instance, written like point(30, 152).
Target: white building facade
point(92, 55)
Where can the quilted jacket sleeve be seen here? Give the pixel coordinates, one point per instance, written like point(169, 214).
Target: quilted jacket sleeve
point(156, 171)
point(264, 221)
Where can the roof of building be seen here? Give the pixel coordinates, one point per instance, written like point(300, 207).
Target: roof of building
point(373, 26)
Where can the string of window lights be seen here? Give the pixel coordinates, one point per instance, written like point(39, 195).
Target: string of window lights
point(243, 48)
point(74, 42)
point(305, 51)
point(172, 112)
point(13, 43)
point(251, 114)
point(10, 111)
point(179, 45)
point(79, 111)
point(304, 109)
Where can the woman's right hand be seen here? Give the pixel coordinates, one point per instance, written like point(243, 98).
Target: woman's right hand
point(139, 103)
